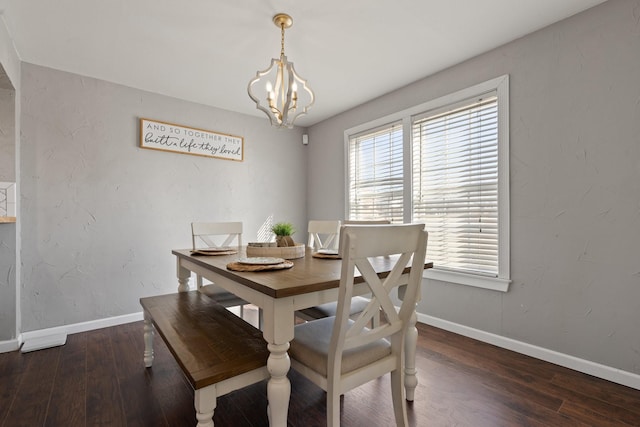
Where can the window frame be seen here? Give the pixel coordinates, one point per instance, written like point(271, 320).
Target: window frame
point(499, 85)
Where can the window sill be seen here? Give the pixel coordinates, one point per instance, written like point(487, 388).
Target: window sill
point(492, 283)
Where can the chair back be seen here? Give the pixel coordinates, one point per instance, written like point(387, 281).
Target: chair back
point(215, 234)
point(357, 222)
point(365, 222)
point(401, 245)
point(323, 234)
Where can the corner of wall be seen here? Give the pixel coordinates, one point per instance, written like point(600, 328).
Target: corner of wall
point(11, 65)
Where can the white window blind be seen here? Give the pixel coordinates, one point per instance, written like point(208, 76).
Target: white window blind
point(376, 175)
point(455, 185)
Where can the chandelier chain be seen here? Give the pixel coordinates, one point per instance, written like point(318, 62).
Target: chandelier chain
point(282, 40)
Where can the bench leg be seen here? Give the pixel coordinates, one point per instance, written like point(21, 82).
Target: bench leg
point(205, 403)
point(148, 340)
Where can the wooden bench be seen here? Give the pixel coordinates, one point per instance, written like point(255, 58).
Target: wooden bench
point(217, 351)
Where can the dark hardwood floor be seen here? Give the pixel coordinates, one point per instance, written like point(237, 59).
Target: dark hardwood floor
point(98, 379)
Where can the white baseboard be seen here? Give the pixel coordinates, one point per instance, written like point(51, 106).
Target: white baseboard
point(9, 345)
point(618, 376)
point(50, 337)
point(43, 342)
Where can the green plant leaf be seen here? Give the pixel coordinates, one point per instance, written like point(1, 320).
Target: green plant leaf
point(283, 229)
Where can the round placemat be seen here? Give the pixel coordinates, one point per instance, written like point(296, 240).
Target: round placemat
point(214, 253)
point(236, 266)
point(325, 256)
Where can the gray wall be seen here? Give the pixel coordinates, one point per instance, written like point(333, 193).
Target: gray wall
point(7, 130)
point(8, 282)
point(9, 154)
point(100, 215)
point(8, 236)
point(575, 186)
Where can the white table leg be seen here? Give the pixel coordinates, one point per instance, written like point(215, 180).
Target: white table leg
point(183, 278)
point(278, 387)
point(411, 341)
point(148, 340)
point(278, 332)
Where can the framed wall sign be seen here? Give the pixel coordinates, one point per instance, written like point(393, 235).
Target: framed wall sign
point(164, 136)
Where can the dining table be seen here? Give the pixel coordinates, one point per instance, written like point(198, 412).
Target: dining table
point(310, 281)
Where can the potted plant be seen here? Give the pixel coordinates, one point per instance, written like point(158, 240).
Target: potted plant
point(283, 232)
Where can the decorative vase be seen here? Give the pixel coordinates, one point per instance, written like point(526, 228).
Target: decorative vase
point(285, 241)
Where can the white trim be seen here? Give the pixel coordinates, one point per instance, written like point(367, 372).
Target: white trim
point(475, 280)
point(47, 341)
point(618, 376)
point(504, 223)
point(407, 161)
point(9, 345)
point(608, 373)
point(41, 335)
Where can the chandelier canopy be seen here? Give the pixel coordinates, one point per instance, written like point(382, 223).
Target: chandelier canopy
point(279, 91)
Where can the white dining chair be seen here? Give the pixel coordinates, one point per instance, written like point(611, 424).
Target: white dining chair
point(323, 234)
point(357, 303)
point(339, 353)
point(218, 235)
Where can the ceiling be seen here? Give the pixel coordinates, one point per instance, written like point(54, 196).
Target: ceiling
point(206, 51)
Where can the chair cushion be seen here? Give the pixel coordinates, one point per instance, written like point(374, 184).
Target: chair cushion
point(221, 296)
point(310, 346)
point(358, 304)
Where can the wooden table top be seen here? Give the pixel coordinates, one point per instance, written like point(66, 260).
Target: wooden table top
point(307, 275)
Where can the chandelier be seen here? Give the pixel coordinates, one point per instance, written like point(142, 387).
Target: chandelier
point(279, 91)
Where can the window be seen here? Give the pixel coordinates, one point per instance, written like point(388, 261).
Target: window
point(443, 163)
point(376, 177)
point(455, 185)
